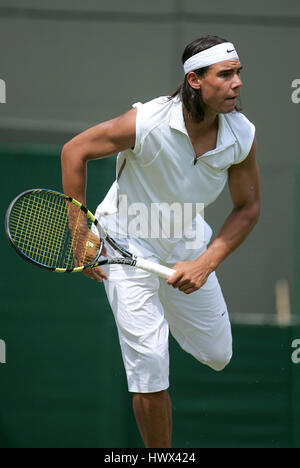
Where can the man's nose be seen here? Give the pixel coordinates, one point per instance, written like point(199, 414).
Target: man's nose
point(237, 81)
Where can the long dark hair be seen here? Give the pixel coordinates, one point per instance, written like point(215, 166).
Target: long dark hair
point(191, 98)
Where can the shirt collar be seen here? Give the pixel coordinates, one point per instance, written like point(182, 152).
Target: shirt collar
point(176, 118)
point(226, 137)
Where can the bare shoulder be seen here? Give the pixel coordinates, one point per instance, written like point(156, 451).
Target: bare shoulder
point(106, 138)
point(121, 131)
point(126, 121)
point(249, 162)
point(121, 127)
point(244, 179)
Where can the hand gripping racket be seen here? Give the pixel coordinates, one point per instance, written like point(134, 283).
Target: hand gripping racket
point(53, 231)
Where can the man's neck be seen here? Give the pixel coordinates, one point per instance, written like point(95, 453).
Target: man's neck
point(209, 123)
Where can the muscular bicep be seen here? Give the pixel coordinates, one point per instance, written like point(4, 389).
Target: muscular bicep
point(244, 182)
point(107, 138)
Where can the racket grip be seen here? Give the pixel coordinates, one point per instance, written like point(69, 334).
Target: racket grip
point(156, 268)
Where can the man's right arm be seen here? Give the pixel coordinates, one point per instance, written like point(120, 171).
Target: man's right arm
point(103, 140)
point(97, 142)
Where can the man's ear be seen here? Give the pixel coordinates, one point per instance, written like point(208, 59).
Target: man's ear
point(194, 80)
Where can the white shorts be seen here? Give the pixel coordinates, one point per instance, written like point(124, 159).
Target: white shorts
point(145, 308)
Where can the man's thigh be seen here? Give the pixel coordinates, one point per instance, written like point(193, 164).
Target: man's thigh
point(199, 322)
point(142, 328)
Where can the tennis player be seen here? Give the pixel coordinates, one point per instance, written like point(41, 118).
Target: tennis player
point(181, 148)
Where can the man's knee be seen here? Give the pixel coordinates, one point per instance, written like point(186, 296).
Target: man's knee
point(151, 374)
point(219, 362)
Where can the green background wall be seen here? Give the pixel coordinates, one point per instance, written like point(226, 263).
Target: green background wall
point(64, 384)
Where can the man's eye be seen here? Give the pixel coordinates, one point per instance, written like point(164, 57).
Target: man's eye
point(227, 74)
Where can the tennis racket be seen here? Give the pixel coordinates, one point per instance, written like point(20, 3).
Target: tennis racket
point(54, 231)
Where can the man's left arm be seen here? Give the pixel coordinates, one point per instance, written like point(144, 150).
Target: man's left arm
point(243, 183)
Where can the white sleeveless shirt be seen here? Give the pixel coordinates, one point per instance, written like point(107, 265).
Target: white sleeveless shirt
point(160, 169)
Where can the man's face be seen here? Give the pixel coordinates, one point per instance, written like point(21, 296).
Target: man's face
point(221, 85)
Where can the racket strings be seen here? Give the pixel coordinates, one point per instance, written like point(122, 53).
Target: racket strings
point(38, 231)
point(42, 226)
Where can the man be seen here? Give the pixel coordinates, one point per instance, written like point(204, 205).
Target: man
point(184, 149)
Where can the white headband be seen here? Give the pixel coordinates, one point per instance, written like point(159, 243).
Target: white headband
point(216, 54)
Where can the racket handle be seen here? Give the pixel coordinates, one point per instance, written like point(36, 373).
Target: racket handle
point(152, 267)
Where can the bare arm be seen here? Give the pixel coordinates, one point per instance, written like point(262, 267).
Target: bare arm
point(103, 140)
point(97, 142)
point(245, 194)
